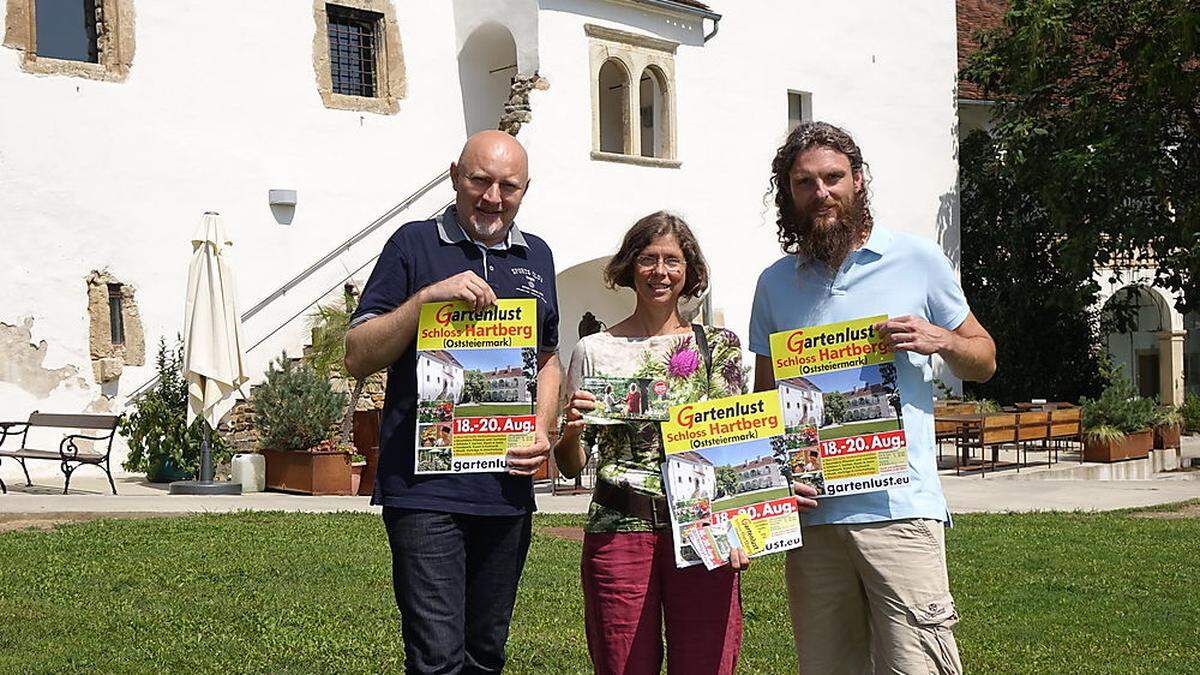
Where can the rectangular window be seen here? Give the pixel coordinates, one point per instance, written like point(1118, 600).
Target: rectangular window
point(66, 29)
point(116, 316)
point(353, 50)
point(799, 108)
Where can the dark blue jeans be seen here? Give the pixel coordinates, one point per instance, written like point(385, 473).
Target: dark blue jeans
point(455, 578)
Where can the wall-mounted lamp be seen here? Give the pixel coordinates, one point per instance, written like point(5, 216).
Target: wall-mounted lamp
point(283, 205)
point(281, 197)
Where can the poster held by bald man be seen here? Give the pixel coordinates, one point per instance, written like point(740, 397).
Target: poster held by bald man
point(458, 541)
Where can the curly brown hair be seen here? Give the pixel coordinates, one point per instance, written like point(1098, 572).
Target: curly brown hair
point(805, 136)
point(619, 270)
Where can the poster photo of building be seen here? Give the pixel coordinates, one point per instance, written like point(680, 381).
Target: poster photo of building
point(857, 401)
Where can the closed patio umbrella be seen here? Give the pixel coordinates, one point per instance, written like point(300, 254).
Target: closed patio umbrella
point(212, 345)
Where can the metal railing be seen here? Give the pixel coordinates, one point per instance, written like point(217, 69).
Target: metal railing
point(324, 260)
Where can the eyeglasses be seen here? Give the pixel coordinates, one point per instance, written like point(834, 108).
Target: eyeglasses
point(650, 262)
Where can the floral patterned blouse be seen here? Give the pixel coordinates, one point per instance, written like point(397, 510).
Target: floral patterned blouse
point(630, 454)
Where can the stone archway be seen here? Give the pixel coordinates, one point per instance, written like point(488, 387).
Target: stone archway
point(487, 64)
point(1150, 350)
point(581, 289)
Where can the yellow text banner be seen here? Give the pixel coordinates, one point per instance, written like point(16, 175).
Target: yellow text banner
point(833, 346)
point(733, 419)
point(456, 325)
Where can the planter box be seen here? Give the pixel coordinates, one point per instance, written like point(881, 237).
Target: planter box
point(313, 473)
point(366, 439)
point(1166, 437)
point(1139, 444)
point(366, 486)
point(1135, 445)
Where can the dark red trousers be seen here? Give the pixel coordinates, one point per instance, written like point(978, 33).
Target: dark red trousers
point(631, 588)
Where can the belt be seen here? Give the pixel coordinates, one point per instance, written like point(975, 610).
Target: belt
point(636, 504)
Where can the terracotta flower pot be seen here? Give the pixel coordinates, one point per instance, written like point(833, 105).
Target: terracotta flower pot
point(356, 474)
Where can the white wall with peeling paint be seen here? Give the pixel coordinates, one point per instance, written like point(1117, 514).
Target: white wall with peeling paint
point(98, 175)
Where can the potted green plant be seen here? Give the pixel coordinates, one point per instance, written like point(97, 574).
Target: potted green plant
point(1190, 410)
point(1103, 443)
point(161, 444)
point(328, 324)
point(1118, 410)
point(1168, 427)
point(295, 412)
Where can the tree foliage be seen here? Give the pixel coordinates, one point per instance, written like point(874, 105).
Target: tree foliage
point(1092, 163)
point(727, 480)
point(836, 407)
point(473, 386)
point(1098, 114)
point(1038, 309)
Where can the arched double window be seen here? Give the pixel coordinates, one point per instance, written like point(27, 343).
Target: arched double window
point(633, 105)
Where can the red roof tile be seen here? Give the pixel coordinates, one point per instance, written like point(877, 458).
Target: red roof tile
point(975, 16)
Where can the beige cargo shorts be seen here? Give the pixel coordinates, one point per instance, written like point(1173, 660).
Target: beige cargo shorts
point(873, 598)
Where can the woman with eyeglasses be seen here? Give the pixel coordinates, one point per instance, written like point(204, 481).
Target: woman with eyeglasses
point(633, 593)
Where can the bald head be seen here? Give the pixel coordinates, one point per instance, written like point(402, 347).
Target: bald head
point(494, 143)
point(490, 179)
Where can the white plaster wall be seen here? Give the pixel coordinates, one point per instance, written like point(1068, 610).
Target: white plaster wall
point(103, 175)
point(884, 71)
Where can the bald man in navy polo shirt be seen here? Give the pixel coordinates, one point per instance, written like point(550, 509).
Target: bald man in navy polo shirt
point(458, 541)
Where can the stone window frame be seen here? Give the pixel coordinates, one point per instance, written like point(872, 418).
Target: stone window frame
point(109, 359)
point(390, 82)
point(114, 42)
point(636, 53)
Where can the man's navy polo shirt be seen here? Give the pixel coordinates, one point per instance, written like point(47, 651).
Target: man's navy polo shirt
point(417, 255)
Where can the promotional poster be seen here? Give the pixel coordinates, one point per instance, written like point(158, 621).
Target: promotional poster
point(476, 384)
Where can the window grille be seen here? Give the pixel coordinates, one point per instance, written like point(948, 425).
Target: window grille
point(353, 50)
point(116, 317)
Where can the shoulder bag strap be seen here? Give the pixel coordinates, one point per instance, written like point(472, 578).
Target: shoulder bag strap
point(702, 346)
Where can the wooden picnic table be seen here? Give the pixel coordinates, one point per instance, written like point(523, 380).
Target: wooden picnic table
point(966, 422)
point(1049, 405)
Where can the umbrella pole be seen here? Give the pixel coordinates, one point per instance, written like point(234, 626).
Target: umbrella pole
point(206, 468)
point(206, 485)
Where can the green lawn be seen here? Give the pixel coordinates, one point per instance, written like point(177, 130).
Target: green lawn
point(858, 428)
point(486, 409)
point(287, 593)
point(742, 500)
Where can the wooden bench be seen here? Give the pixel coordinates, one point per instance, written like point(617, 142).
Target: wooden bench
point(69, 454)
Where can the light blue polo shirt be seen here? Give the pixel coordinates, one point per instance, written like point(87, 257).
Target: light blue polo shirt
point(894, 274)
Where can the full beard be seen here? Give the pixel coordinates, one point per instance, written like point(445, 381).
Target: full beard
point(831, 239)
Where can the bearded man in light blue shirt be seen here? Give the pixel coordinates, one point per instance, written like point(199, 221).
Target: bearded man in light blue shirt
point(869, 589)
